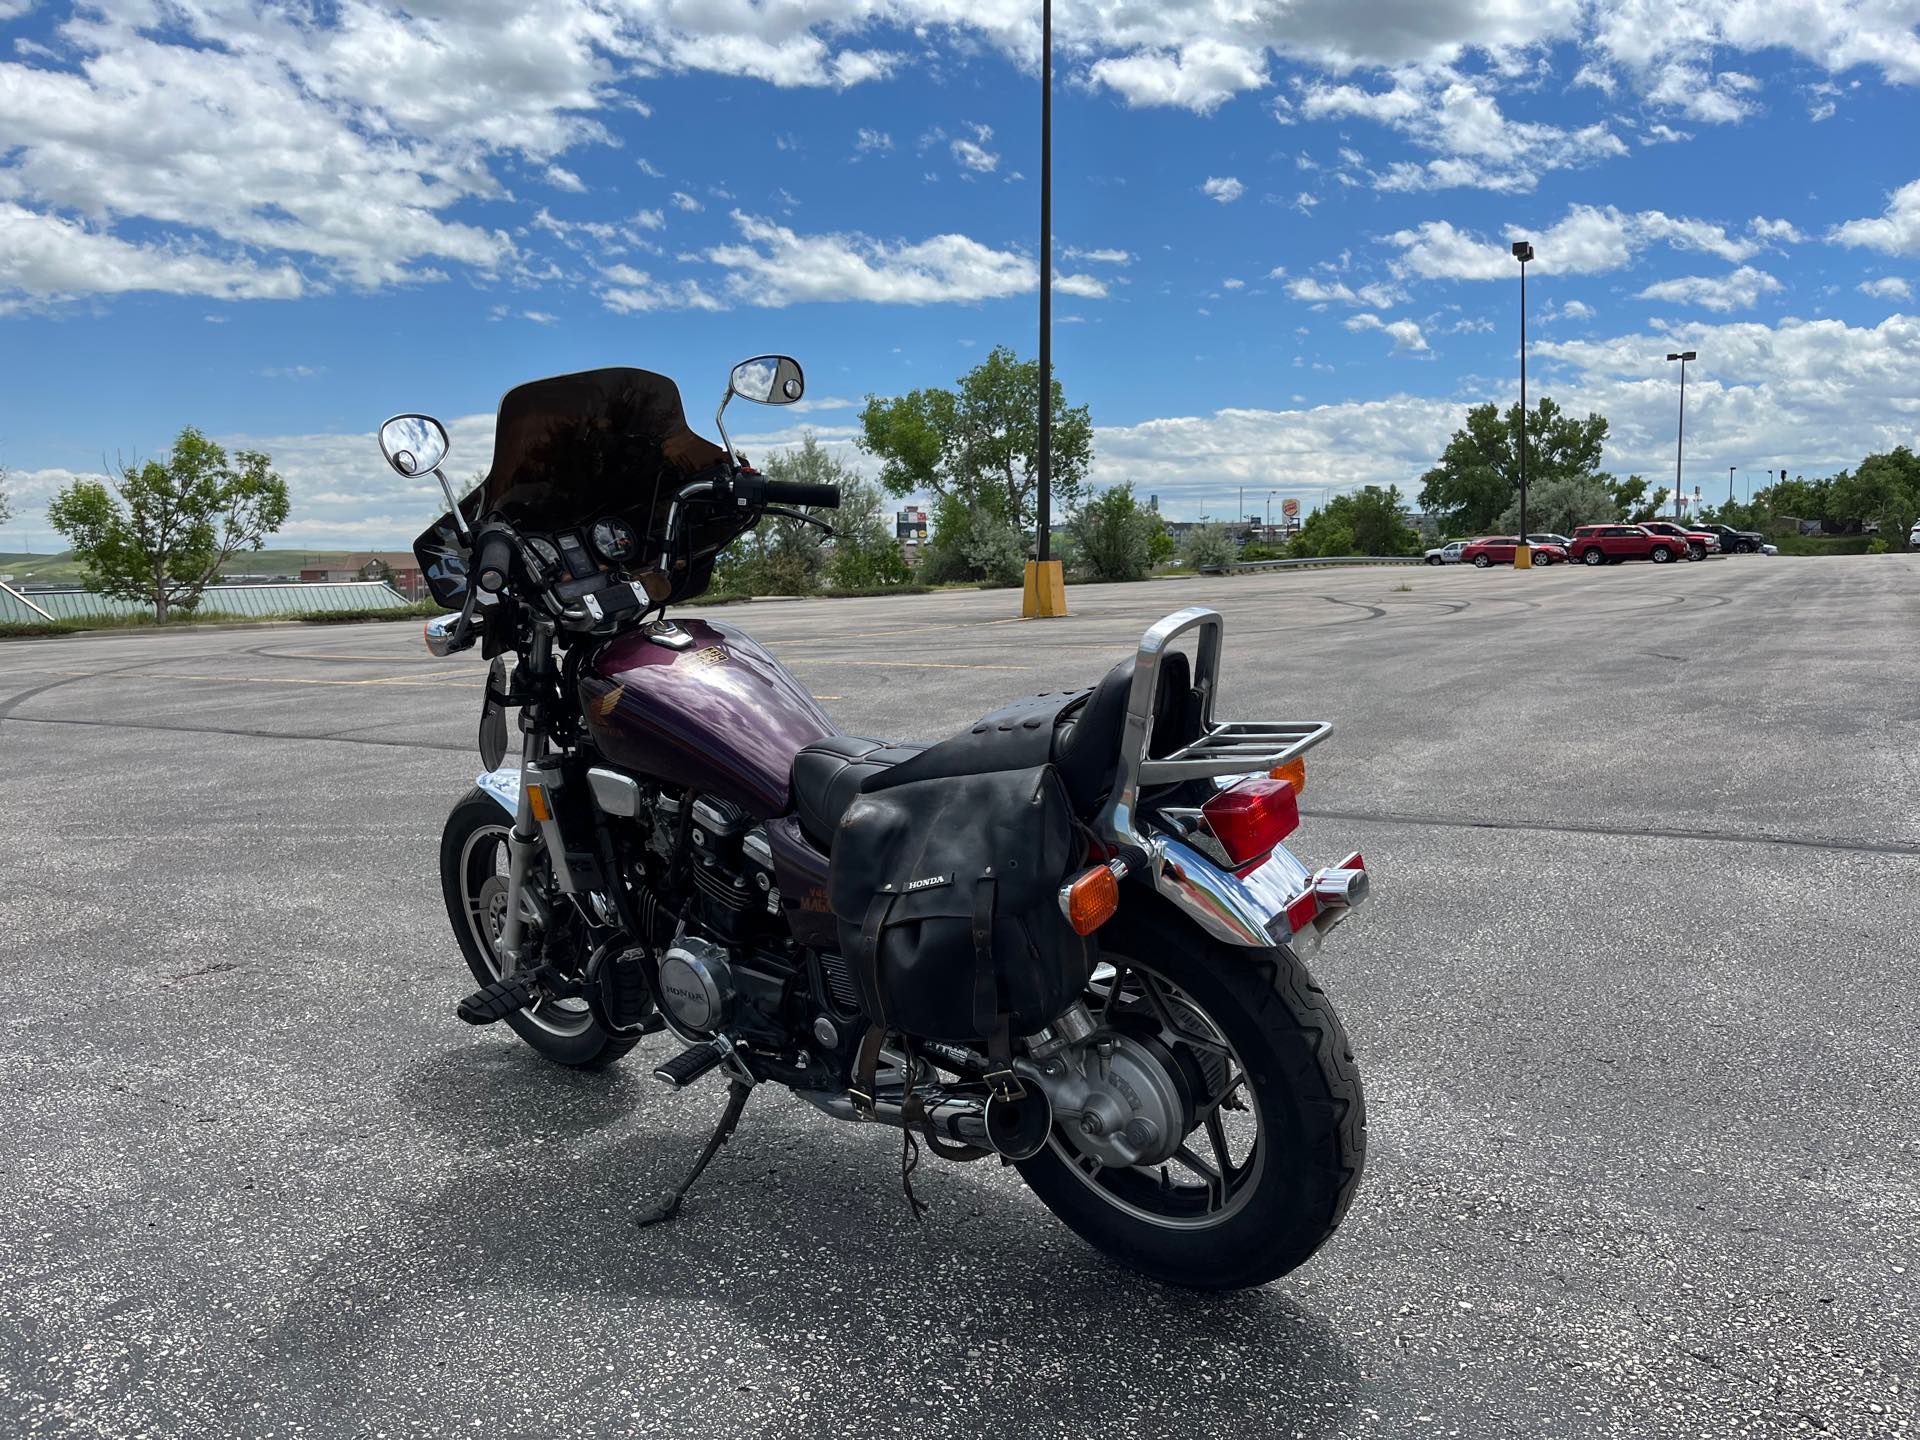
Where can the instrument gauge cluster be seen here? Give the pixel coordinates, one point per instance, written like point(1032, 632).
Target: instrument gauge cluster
point(614, 541)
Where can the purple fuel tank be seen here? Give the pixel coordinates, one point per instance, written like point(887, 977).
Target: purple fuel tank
point(721, 716)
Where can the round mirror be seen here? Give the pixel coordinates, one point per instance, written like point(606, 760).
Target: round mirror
point(768, 380)
point(414, 444)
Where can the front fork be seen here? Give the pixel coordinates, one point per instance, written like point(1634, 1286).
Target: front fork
point(523, 841)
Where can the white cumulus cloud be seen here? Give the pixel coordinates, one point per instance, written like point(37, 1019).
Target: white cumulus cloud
point(1224, 188)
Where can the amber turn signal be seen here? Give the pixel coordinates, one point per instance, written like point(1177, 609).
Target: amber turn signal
point(1092, 899)
point(537, 803)
point(1293, 771)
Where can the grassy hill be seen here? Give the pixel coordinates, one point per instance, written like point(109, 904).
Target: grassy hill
point(63, 569)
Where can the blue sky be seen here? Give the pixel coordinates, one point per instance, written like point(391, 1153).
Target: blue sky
point(1280, 228)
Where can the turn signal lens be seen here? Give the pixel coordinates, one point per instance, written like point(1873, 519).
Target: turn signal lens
point(1252, 817)
point(1294, 772)
point(1092, 899)
point(1302, 910)
point(537, 802)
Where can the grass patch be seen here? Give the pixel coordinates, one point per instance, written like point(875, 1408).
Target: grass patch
point(1824, 544)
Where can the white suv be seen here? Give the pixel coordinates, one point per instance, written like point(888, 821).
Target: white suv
point(1449, 554)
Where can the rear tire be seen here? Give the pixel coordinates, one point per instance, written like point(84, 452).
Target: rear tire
point(1481, 562)
point(566, 1036)
point(1301, 1079)
point(1593, 557)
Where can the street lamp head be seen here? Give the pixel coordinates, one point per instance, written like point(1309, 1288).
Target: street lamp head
point(1523, 251)
point(1683, 355)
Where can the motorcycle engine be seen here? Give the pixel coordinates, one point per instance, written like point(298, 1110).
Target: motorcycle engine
point(696, 984)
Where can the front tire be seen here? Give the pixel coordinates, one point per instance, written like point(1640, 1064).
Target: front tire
point(473, 883)
point(1662, 555)
point(1283, 1199)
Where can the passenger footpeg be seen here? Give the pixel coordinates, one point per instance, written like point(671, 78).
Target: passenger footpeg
point(498, 1000)
point(689, 1065)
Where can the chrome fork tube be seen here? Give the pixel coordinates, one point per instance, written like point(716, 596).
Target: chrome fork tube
point(523, 842)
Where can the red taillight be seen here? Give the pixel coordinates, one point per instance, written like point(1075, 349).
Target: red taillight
point(1252, 817)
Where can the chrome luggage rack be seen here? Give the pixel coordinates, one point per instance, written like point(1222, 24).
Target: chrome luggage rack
point(1224, 747)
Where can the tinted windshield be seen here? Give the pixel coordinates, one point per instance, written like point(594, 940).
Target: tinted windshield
point(573, 449)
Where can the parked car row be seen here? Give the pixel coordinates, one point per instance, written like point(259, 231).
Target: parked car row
point(1660, 541)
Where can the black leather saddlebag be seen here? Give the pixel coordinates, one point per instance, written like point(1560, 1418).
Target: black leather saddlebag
point(946, 893)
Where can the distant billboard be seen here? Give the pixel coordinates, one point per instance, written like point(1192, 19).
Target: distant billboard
point(1290, 508)
point(910, 523)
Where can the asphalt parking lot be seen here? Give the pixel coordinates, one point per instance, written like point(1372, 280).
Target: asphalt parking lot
point(1635, 1004)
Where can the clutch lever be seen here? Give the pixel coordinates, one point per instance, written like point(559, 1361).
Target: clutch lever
point(786, 514)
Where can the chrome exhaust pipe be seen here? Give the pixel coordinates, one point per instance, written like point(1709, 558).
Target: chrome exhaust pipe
point(1014, 1129)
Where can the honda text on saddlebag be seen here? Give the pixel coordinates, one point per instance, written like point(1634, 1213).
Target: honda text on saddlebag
point(1069, 937)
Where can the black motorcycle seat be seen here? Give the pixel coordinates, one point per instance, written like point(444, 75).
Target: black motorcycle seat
point(1083, 744)
point(828, 773)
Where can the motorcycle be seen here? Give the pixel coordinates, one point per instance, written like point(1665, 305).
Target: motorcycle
point(662, 856)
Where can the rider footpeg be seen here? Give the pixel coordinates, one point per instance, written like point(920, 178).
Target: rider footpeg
point(498, 1000)
point(689, 1065)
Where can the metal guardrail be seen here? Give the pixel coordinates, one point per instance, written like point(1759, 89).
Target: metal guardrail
point(1317, 560)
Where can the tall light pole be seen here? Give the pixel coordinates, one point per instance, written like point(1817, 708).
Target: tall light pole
point(1730, 470)
point(1522, 556)
point(1680, 444)
point(1046, 277)
point(1270, 495)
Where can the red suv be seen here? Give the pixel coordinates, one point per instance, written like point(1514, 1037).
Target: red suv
point(1698, 542)
point(1498, 550)
point(1610, 544)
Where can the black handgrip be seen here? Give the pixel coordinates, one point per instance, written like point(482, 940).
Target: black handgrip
point(493, 562)
point(792, 492)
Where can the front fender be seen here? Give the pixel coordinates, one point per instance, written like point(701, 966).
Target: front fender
point(503, 785)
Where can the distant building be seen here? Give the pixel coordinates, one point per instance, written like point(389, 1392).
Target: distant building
point(398, 568)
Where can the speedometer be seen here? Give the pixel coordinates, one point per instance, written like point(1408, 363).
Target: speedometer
point(613, 541)
point(546, 550)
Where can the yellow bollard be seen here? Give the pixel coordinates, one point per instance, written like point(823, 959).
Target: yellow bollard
point(1046, 590)
point(1522, 557)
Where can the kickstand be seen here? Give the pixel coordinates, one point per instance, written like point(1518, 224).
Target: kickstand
point(737, 1094)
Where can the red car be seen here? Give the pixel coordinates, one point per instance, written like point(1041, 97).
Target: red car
point(1610, 544)
point(1498, 550)
point(1699, 543)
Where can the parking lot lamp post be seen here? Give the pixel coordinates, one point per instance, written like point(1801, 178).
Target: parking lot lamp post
point(1680, 444)
point(1522, 555)
point(1730, 470)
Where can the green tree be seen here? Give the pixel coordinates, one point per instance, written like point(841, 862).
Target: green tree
point(1479, 471)
point(1366, 521)
point(6, 505)
point(1628, 494)
point(1160, 546)
point(780, 556)
point(980, 442)
point(973, 543)
point(1208, 547)
point(866, 552)
point(1114, 535)
point(161, 531)
point(1562, 503)
point(1884, 492)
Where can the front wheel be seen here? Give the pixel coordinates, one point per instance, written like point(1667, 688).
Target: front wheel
point(1272, 1114)
point(473, 878)
point(1662, 555)
point(1696, 552)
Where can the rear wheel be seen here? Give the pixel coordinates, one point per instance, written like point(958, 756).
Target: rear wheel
point(1593, 557)
point(1274, 1118)
point(473, 879)
point(1481, 562)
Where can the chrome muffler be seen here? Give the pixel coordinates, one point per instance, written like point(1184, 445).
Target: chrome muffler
point(1015, 1129)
